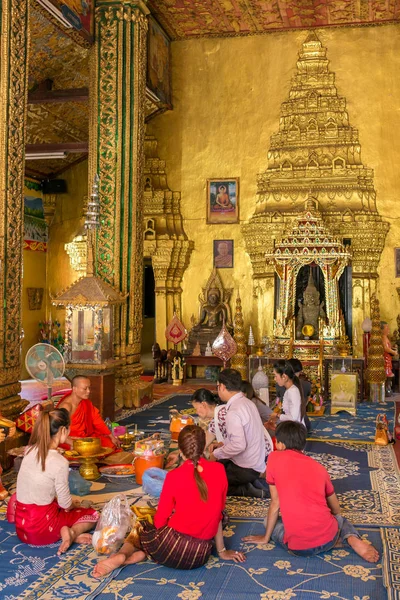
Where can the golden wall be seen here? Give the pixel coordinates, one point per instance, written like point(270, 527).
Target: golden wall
point(68, 221)
point(227, 95)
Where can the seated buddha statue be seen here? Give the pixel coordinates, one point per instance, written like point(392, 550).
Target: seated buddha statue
point(213, 314)
point(310, 310)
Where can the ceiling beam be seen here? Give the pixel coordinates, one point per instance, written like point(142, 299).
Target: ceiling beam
point(41, 96)
point(69, 147)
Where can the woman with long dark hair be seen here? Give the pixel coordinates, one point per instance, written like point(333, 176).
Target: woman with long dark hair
point(293, 404)
point(188, 516)
point(43, 509)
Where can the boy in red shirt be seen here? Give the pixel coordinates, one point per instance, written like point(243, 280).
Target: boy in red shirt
point(301, 488)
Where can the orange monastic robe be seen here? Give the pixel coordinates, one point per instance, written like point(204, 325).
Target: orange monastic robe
point(87, 422)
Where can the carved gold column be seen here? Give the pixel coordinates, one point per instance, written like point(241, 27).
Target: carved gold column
point(13, 98)
point(117, 148)
point(165, 240)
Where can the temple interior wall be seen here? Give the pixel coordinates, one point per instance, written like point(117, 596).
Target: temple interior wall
point(227, 94)
point(67, 223)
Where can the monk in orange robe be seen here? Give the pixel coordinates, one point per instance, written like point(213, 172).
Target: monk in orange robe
point(85, 418)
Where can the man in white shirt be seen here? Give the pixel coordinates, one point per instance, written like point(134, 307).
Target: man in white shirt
point(243, 452)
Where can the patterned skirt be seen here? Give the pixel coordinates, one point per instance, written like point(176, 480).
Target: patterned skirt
point(41, 525)
point(173, 549)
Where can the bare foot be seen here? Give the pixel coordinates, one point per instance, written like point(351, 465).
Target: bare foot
point(67, 537)
point(84, 538)
point(136, 557)
point(104, 567)
point(363, 549)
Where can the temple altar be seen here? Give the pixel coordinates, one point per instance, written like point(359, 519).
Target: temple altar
point(308, 322)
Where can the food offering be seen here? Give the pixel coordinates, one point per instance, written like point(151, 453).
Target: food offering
point(118, 470)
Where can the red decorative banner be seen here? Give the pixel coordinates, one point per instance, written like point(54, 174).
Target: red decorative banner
point(35, 246)
point(176, 331)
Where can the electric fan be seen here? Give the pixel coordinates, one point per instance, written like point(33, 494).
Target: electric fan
point(45, 363)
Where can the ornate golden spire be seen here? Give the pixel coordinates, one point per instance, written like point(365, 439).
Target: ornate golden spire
point(239, 360)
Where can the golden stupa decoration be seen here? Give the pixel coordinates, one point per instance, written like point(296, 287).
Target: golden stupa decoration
point(376, 363)
point(89, 303)
point(239, 360)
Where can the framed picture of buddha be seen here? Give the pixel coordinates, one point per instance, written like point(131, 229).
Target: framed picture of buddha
point(223, 254)
point(223, 200)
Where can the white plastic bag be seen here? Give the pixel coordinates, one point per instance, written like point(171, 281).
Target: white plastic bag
point(113, 525)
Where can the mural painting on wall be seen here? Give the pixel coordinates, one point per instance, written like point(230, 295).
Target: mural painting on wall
point(79, 13)
point(35, 228)
point(223, 200)
point(158, 63)
point(223, 254)
point(397, 261)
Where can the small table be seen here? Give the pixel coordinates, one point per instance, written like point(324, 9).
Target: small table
point(202, 361)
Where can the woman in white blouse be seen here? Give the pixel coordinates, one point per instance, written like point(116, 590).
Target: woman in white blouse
point(43, 510)
point(293, 404)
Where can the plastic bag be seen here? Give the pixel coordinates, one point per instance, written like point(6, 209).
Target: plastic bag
point(153, 481)
point(78, 485)
point(113, 525)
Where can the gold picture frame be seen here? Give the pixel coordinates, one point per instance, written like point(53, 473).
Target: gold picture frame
point(344, 393)
point(223, 200)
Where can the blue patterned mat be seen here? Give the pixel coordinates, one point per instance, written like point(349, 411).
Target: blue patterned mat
point(365, 477)
point(270, 573)
point(391, 562)
point(156, 418)
point(340, 427)
point(344, 426)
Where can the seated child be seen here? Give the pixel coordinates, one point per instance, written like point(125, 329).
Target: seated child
point(188, 516)
point(302, 490)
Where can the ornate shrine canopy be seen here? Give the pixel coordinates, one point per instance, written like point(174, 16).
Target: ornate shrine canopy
point(309, 241)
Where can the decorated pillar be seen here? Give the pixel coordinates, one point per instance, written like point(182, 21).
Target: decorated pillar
point(117, 154)
point(13, 98)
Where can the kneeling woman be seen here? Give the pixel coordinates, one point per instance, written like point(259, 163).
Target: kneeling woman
point(43, 509)
point(188, 516)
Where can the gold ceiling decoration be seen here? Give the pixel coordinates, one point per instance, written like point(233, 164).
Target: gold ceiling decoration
point(184, 19)
point(54, 55)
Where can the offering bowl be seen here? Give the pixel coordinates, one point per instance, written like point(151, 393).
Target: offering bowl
point(87, 446)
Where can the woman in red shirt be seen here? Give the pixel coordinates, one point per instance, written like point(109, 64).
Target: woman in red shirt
point(188, 516)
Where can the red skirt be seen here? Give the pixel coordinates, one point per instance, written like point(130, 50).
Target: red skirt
point(41, 525)
point(173, 549)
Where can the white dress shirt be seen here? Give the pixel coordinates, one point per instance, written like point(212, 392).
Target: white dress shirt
point(245, 444)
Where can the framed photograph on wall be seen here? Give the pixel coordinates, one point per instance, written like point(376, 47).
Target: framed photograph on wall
point(159, 63)
point(223, 200)
point(397, 262)
point(223, 254)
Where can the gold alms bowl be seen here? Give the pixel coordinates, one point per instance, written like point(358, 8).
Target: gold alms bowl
point(87, 446)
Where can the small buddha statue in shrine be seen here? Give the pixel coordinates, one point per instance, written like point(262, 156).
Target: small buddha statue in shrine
point(310, 310)
point(214, 312)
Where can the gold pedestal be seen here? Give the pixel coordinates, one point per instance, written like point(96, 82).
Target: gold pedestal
point(88, 467)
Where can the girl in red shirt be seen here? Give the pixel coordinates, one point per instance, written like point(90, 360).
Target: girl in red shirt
point(188, 516)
